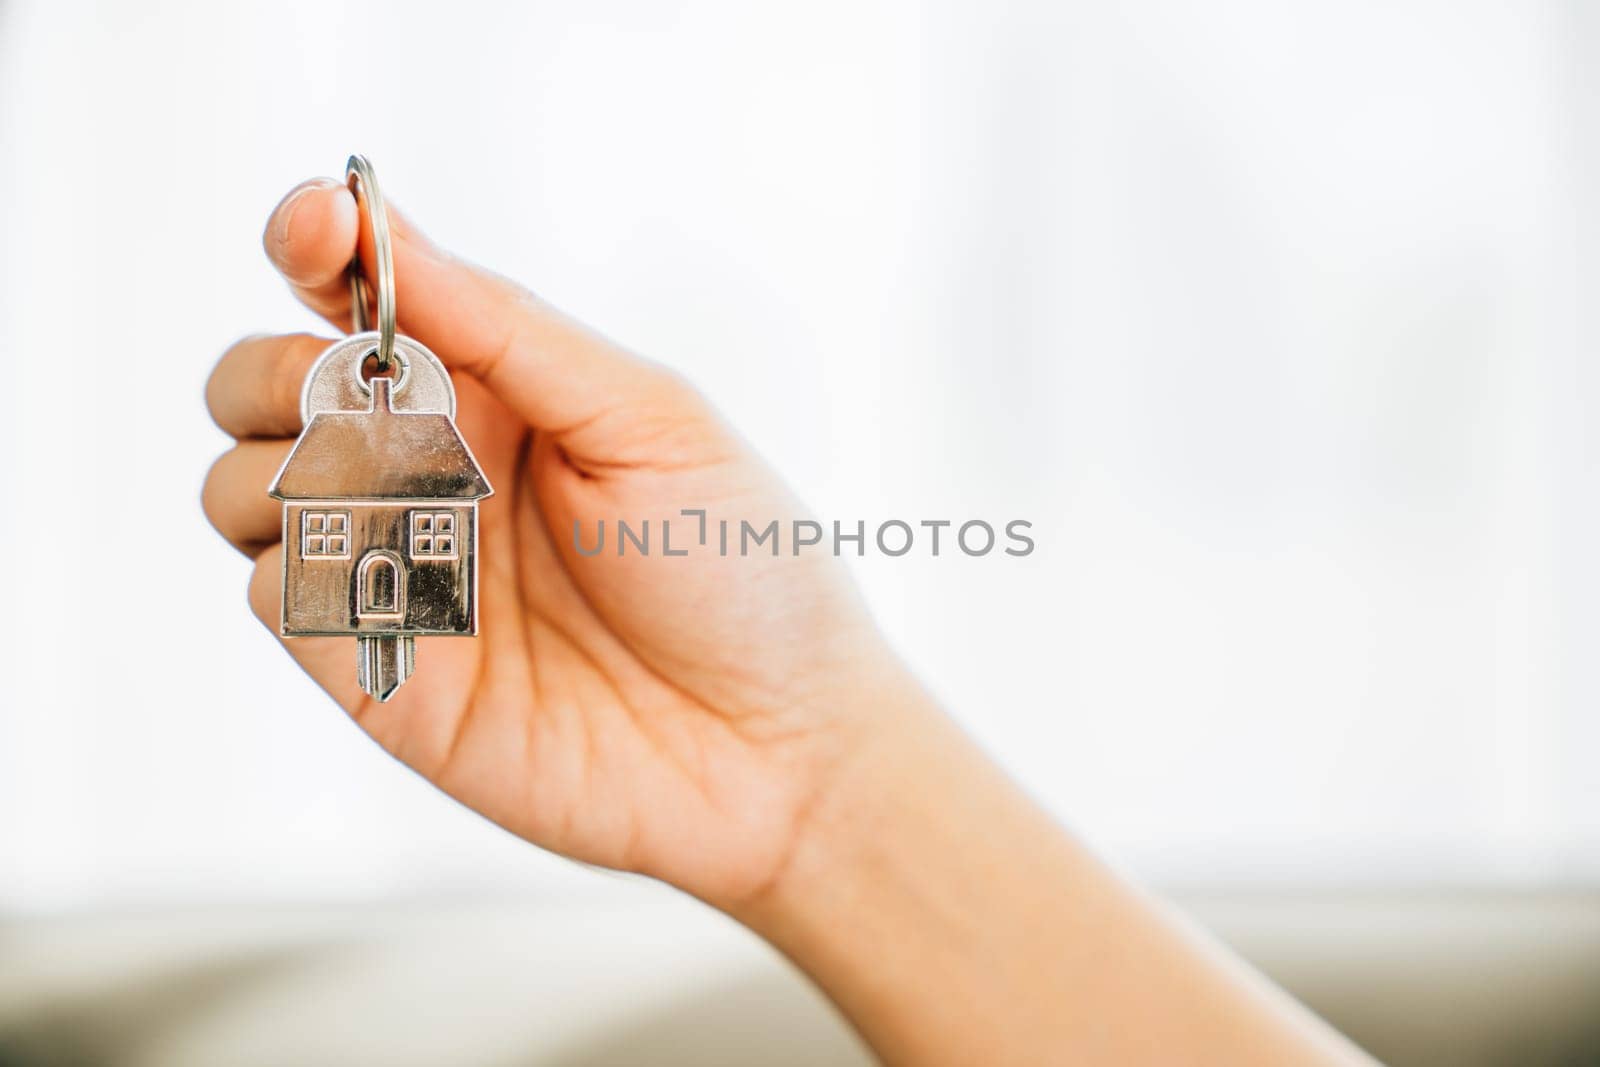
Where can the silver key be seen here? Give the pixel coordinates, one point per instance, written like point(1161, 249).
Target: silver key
point(380, 499)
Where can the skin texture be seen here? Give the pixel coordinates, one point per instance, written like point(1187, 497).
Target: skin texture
point(734, 726)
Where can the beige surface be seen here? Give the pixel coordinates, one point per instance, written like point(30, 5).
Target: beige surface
point(636, 975)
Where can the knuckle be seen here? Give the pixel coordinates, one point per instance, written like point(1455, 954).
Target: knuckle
point(285, 376)
point(282, 393)
point(219, 381)
point(674, 421)
point(669, 392)
point(213, 496)
point(301, 352)
point(260, 592)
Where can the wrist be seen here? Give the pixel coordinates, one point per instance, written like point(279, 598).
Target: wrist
point(953, 922)
point(882, 748)
point(919, 872)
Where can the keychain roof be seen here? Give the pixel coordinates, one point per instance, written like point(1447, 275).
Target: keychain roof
point(380, 454)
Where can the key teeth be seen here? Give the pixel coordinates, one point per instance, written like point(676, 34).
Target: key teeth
point(384, 663)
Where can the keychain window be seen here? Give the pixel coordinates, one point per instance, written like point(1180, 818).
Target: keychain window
point(325, 535)
point(433, 535)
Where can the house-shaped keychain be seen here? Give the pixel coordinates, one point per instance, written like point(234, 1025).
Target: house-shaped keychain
point(380, 529)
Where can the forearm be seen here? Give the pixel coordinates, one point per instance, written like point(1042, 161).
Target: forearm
point(954, 922)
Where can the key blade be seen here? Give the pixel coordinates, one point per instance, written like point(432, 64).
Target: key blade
point(384, 663)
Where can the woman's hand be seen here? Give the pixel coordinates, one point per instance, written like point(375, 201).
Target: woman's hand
point(676, 716)
point(732, 724)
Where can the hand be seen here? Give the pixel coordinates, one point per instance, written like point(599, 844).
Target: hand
point(676, 716)
point(731, 724)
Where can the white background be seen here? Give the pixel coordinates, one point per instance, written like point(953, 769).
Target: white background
point(1274, 319)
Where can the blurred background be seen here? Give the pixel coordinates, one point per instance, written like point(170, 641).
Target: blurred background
point(1274, 319)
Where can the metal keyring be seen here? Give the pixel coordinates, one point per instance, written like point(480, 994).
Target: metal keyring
point(363, 184)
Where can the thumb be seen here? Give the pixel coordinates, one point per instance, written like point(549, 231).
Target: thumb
point(556, 373)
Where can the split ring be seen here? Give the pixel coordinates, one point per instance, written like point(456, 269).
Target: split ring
point(363, 184)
